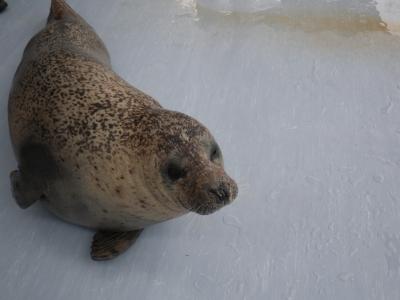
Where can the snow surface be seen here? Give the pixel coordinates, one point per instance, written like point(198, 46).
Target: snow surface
point(304, 99)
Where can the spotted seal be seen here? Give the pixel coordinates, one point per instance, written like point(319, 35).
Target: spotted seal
point(99, 152)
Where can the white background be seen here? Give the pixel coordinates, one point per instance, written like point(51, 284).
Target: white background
point(305, 103)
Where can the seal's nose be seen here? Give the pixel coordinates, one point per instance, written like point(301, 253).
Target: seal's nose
point(221, 193)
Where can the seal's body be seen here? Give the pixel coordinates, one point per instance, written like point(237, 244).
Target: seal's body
point(97, 151)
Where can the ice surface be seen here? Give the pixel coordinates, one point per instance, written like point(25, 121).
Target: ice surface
point(304, 99)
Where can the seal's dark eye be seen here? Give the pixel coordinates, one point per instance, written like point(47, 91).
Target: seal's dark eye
point(215, 152)
point(174, 171)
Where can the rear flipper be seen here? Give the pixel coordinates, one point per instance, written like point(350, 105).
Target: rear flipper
point(23, 195)
point(60, 10)
point(78, 33)
point(109, 244)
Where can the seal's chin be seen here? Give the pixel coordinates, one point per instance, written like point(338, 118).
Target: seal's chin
point(206, 209)
point(210, 205)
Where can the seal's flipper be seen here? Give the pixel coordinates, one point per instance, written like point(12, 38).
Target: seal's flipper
point(3, 5)
point(23, 197)
point(78, 34)
point(61, 10)
point(109, 244)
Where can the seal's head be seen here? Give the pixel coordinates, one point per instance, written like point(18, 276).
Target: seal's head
point(187, 164)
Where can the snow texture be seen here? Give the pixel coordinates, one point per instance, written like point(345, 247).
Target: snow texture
point(304, 99)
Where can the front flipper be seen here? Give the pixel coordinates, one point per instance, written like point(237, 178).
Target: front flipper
point(23, 194)
point(3, 5)
point(109, 244)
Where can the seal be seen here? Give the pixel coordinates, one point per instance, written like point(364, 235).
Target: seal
point(97, 151)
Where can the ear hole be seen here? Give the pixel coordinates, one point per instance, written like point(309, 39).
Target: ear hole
point(215, 153)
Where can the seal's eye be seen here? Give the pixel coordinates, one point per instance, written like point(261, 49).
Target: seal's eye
point(174, 171)
point(215, 153)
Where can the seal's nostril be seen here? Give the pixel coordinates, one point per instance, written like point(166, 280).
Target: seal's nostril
point(221, 194)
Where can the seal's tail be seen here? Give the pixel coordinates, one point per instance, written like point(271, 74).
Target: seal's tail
point(61, 10)
point(81, 36)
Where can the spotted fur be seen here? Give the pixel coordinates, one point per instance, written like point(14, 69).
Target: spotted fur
point(93, 148)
